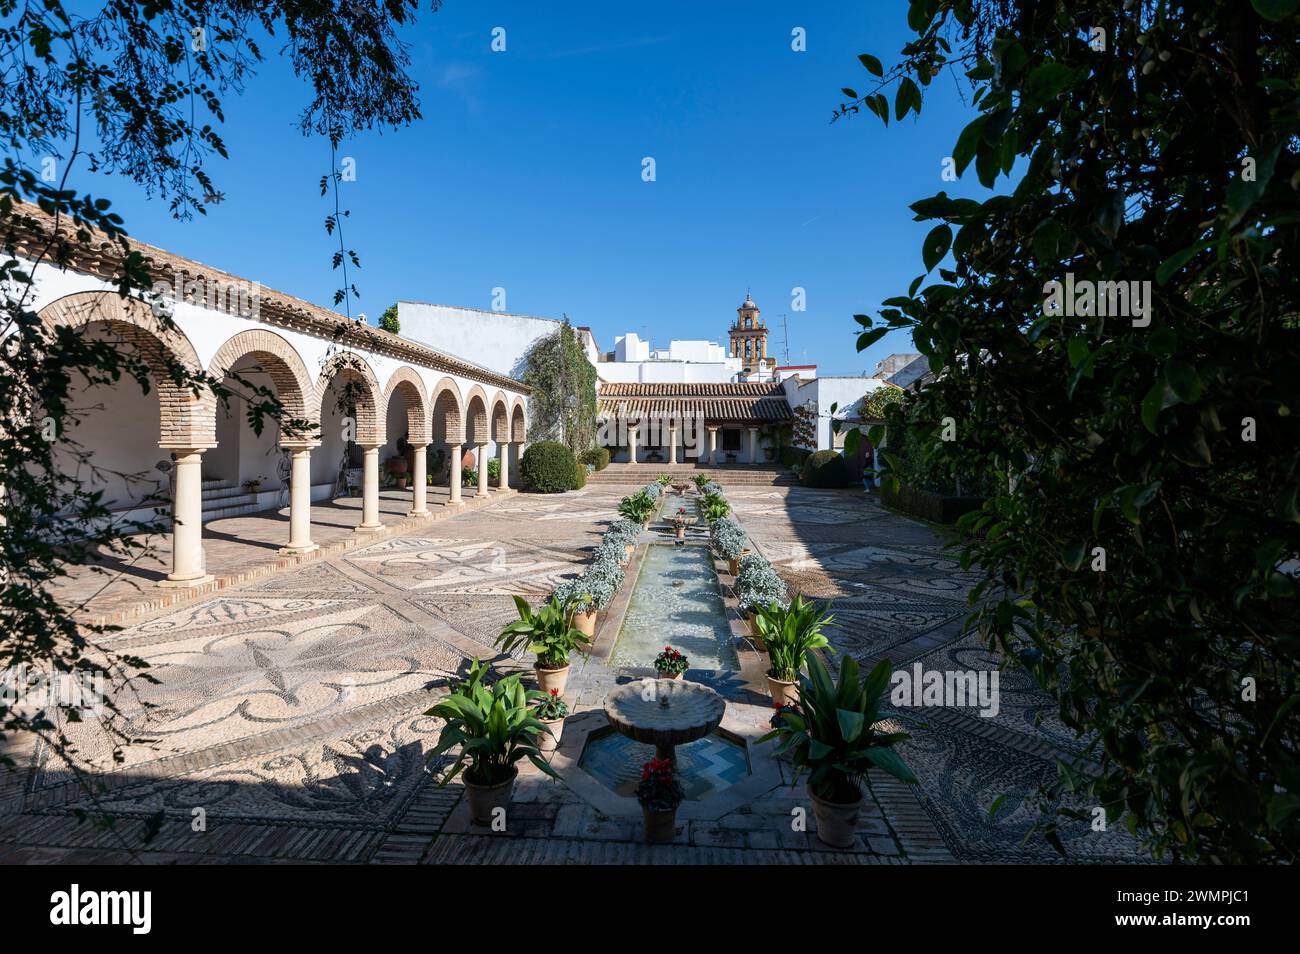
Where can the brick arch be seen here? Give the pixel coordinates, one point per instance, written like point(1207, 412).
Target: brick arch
point(351, 367)
point(518, 421)
point(447, 400)
point(406, 380)
point(476, 416)
point(500, 418)
point(288, 372)
point(187, 419)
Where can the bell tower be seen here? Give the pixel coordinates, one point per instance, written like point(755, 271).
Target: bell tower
point(749, 338)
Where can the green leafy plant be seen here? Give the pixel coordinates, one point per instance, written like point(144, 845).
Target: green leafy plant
point(549, 632)
point(664, 480)
point(597, 457)
point(700, 481)
point(826, 468)
point(715, 507)
point(1147, 420)
point(495, 728)
point(671, 662)
point(637, 507)
point(790, 632)
point(548, 467)
point(388, 320)
point(834, 735)
point(469, 477)
point(659, 790)
point(494, 470)
point(551, 706)
point(563, 402)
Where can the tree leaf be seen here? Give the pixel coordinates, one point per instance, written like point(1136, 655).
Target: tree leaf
point(936, 246)
point(872, 64)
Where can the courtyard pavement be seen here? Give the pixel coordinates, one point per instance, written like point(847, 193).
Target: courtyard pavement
point(287, 723)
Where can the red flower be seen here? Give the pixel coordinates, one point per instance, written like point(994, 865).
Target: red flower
point(555, 693)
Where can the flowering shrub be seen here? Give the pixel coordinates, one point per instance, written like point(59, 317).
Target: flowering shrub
point(758, 584)
point(727, 539)
point(552, 707)
point(659, 790)
point(609, 551)
point(670, 662)
point(595, 588)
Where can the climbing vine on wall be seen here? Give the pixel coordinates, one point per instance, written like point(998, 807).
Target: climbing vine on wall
point(563, 382)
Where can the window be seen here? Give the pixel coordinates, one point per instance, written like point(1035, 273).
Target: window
point(730, 439)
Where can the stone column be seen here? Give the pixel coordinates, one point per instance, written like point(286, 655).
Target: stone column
point(753, 445)
point(453, 483)
point(482, 471)
point(631, 445)
point(715, 446)
point(420, 474)
point(187, 520)
point(503, 458)
point(515, 453)
point(370, 491)
point(672, 444)
point(299, 499)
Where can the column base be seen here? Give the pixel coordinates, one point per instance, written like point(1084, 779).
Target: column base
point(419, 513)
point(454, 503)
point(191, 581)
point(291, 550)
point(370, 528)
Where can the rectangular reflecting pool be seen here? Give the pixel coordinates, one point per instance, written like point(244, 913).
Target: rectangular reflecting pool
point(675, 602)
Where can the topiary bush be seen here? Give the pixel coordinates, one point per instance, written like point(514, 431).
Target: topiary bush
point(579, 475)
point(826, 468)
point(597, 457)
point(548, 467)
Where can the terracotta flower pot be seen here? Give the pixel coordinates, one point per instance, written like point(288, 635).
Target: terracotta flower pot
point(483, 799)
point(837, 824)
point(734, 567)
point(660, 827)
point(669, 675)
point(630, 548)
point(681, 532)
point(585, 621)
point(783, 693)
point(548, 679)
point(550, 742)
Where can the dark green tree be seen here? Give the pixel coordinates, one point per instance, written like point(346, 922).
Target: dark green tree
point(136, 89)
point(1140, 551)
point(563, 383)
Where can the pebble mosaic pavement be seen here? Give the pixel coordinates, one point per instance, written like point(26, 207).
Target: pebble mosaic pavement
point(290, 709)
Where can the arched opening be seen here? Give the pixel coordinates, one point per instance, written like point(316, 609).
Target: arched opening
point(349, 422)
point(447, 433)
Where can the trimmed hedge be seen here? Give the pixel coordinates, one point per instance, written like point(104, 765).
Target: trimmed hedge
point(794, 455)
point(827, 468)
point(936, 508)
point(548, 467)
point(597, 457)
point(579, 475)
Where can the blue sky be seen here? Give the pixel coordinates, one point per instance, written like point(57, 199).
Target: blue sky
point(525, 173)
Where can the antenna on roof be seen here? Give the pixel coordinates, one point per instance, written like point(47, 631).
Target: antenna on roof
point(785, 330)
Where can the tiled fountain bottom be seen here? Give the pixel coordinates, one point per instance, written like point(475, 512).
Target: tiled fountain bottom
point(704, 766)
point(676, 602)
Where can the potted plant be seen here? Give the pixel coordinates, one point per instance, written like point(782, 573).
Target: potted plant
point(637, 507)
point(757, 584)
point(835, 739)
point(396, 467)
point(551, 712)
point(727, 540)
point(659, 794)
point(700, 481)
point(586, 595)
point(253, 485)
point(625, 532)
point(680, 521)
point(671, 664)
point(549, 632)
point(664, 480)
point(715, 507)
point(494, 472)
point(788, 632)
point(495, 728)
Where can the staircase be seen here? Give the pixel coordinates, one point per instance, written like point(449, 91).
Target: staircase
point(732, 475)
point(221, 498)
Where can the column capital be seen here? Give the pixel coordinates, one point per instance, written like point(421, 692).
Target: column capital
point(369, 446)
point(191, 448)
point(299, 445)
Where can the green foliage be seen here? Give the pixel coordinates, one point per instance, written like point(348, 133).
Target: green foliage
point(700, 481)
point(1162, 438)
point(794, 456)
point(388, 320)
point(664, 480)
point(714, 506)
point(494, 471)
point(727, 538)
point(826, 468)
point(579, 475)
point(494, 727)
point(875, 403)
point(836, 735)
point(637, 507)
point(549, 632)
point(548, 467)
point(758, 584)
point(563, 403)
point(597, 457)
point(789, 632)
point(120, 91)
